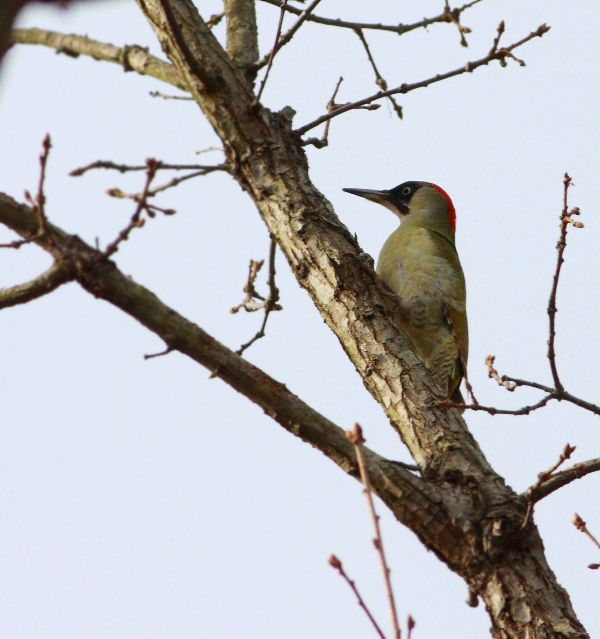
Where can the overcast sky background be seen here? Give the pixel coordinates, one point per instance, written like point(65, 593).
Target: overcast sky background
point(142, 499)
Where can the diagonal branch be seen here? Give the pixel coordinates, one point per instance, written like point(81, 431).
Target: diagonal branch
point(58, 274)
point(130, 57)
point(495, 54)
point(414, 501)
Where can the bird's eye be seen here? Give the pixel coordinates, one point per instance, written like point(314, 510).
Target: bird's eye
point(406, 190)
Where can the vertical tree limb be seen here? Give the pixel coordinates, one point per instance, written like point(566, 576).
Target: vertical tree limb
point(242, 32)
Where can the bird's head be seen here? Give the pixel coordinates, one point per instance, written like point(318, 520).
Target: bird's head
point(421, 204)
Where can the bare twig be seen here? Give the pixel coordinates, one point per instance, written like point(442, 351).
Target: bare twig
point(545, 475)
point(268, 303)
point(582, 527)
point(125, 168)
point(273, 51)
point(50, 280)
point(399, 29)
point(543, 478)
point(319, 143)
point(142, 205)
point(511, 383)
point(282, 40)
point(503, 381)
point(500, 55)
point(558, 480)
point(566, 218)
point(356, 438)
point(17, 244)
point(556, 392)
point(37, 203)
point(454, 17)
point(178, 180)
point(249, 302)
point(491, 410)
point(334, 562)
point(379, 79)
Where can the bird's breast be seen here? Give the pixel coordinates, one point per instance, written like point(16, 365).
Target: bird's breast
point(417, 264)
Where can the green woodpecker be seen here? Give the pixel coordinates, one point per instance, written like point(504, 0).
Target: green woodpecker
point(419, 263)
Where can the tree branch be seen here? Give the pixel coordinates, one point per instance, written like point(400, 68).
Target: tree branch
point(558, 480)
point(399, 29)
point(242, 34)
point(495, 53)
point(413, 501)
point(58, 274)
point(130, 57)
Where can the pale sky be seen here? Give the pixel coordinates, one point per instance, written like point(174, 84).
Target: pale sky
point(142, 499)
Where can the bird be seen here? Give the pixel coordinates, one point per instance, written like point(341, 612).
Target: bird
point(420, 265)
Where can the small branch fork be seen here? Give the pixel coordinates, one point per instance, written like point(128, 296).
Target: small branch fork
point(254, 301)
point(323, 141)
point(555, 480)
point(137, 221)
point(557, 391)
point(543, 485)
point(501, 54)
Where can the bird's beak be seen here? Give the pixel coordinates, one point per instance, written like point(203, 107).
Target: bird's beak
point(381, 197)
